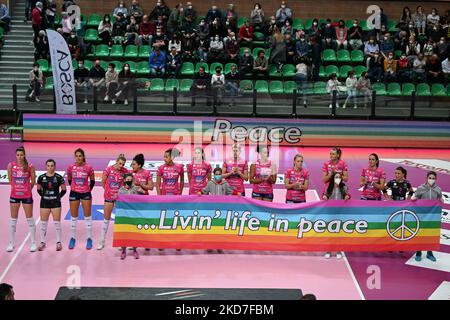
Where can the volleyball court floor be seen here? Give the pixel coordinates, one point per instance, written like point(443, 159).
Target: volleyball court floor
point(357, 276)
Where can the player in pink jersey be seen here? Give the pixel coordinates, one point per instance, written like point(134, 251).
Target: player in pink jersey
point(336, 164)
point(170, 177)
point(142, 177)
point(296, 181)
point(235, 171)
point(81, 177)
point(21, 177)
point(199, 172)
point(372, 179)
point(263, 174)
point(112, 181)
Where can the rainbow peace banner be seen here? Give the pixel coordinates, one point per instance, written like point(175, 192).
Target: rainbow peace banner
point(239, 223)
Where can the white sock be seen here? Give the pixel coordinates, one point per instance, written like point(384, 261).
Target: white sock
point(104, 229)
point(58, 230)
point(12, 229)
point(73, 227)
point(44, 225)
point(88, 226)
point(32, 227)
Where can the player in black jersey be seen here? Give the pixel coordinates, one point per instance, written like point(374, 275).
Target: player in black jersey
point(400, 187)
point(51, 187)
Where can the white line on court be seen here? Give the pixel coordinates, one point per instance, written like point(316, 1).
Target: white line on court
point(166, 293)
point(358, 288)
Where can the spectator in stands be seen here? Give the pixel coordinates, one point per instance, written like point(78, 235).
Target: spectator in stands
point(332, 88)
point(188, 26)
point(412, 49)
point(126, 80)
point(419, 20)
point(157, 62)
point(97, 75)
point(386, 45)
point(246, 34)
point(216, 27)
point(190, 11)
point(433, 18)
point(231, 13)
point(6, 292)
point(111, 82)
point(298, 34)
point(176, 18)
point(286, 29)
point(119, 28)
point(370, 47)
point(316, 54)
point(36, 83)
point(257, 16)
point(36, 18)
point(203, 30)
point(428, 48)
point(212, 14)
point(160, 39)
point(174, 62)
point(446, 67)
point(74, 45)
point(161, 10)
point(215, 49)
point(402, 42)
point(136, 11)
point(66, 24)
point(231, 47)
point(201, 86)
point(290, 49)
point(355, 35)
point(5, 19)
point(406, 18)
point(121, 8)
point(404, 69)
point(434, 70)
point(218, 85)
point(301, 79)
point(146, 31)
point(383, 17)
point(390, 67)
point(364, 87)
point(202, 50)
point(379, 33)
point(283, 13)
point(271, 27)
point(376, 66)
point(28, 9)
point(328, 35)
point(315, 30)
point(41, 48)
point(50, 13)
point(341, 35)
point(231, 25)
point(278, 53)
point(412, 32)
point(419, 72)
point(442, 48)
point(81, 75)
point(245, 63)
point(232, 80)
point(132, 35)
point(260, 65)
point(105, 30)
point(67, 4)
point(302, 49)
point(350, 84)
point(175, 42)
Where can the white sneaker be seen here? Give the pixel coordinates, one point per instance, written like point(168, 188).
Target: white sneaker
point(338, 255)
point(118, 93)
point(344, 106)
point(337, 105)
point(85, 101)
point(10, 247)
point(125, 102)
point(327, 255)
point(106, 99)
point(101, 245)
point(113, 101)
point(331, 106)
point(37, 99)
point(355, 106)
point(33, 247)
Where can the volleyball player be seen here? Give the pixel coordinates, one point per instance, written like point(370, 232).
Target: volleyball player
point(296, 181)
point(81, 177)
point(263, 175)
point(199, 172)
point(335, 164)
point(51, 186)
point(235, 171)
point(21, 177)
point(372, 179)
point(400, 187)
point(141, 177)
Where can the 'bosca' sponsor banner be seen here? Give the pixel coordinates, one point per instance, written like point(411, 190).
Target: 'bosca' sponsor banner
point(237, 223)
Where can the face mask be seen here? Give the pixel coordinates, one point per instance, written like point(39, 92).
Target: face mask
point(35, 69)
point(442, 41)
point(337, 181)
point(391, 57)
point(190, 7)
point(431, 181)
point(158, 33)
point(127, 68)
point(302, 39)
point(129, 183)
point(315, 23)
point(385, 38)
point(272, 21)
point(217, 39)
point(411, 26)
point(355, 25)
point(110, 69)
point(80, 65)
point(233, 38)
point(247, 54)
point(106, 20)
point(73, 36)
point(371, 42)
point(121, 5)
point(218, 177)
point(328, 25)
point(283, 6)
point(257, 8)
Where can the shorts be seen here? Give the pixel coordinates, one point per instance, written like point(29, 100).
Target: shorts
point(110, 201)
point(50, 204)
point(21, 200)
point(75, 196)
point(263, 196)
point(295, 201)
point(377, 199)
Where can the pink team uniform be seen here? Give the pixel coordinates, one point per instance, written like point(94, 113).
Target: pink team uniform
point(340, 166)
point(80, 177)
point(235, 180)
point(372, 176)
point(114, 181)
point(296, 176)
point(170, 176)
point(20, 181)
point(142, 177)
point(199, 174)
point(263, 172)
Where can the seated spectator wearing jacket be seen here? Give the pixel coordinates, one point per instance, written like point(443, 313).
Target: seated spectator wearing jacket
point(5, 19)
point(245, 63)
point(126, 81)
point(157, 62)
point(260, 65)
point(434, 70)
point(201, 86)
point(146, 31)
point(341, 35)
point(390, 67)
point(111, 83)
point(174, 62)
point(246, 34)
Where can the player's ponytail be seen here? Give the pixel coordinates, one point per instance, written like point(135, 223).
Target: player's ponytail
point(139, 159)
point(25, 161)
point(122, 157)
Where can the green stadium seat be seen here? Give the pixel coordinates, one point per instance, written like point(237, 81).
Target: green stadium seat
point(88, 64)
point(438, 90)
point(246, 85)
point(423, 90)
point(331, 69)
point(357, 56)
point(144, 51)
point(48, 83)
point(343, 56)
point(2, 33)
point(116, 51)
point(394, 89)
point(143, 68)
point(322, 72)
point(276, 87)
point(363, 25)
point(201, 64)
point(102, 51)
point(187, 69)
point(310, 88)
point(94, 21)
point(297, 24)
point(379, 88)
point(199, 18)
point(171, 84)
point(157, 85)
point(57, 20)
point(397, 54)
point(349, 23)
point(132, 66)
point(43, 65)
point(289, 86)
point(320, 87)
point(91, 35)
point(288, 71)
point(118, 65)
point(241, 21)
point(259, 39)
point(273, 72)
point(185, 85)
point(256, 50)
point(131, 52)
point(242, 50)
point(391, 26)
point(344, 70)
point(448, 90)
point(104, 64)
point(408, 89)
point(359, 70)
point(329, 55)
point(262, 86)
point(228, 67)
point(214, 65)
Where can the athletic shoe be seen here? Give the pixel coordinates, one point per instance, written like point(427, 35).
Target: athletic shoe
point(106, 99)
point(219, 251)
point(85, 101)
point(118, 93)
point(136, 254)
point(113, 101)
point(89, 244)
point(337, 105)
point(210, 250)
point(327, 255)
point(125, 102)
point(344, 106)
point(58, 246)
point(41, 246)
point(72, 243)
point(418, 257)
point(37, 99)
point(431, 257)
point(355, 106)
point(331, 106)
point(305, 105)
point(161, 249)
point(178, 250)
point(147, 249)
point(33, 247)
point(123, 255)
point(101, 245)
point(10, 247)
point(339, 255)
